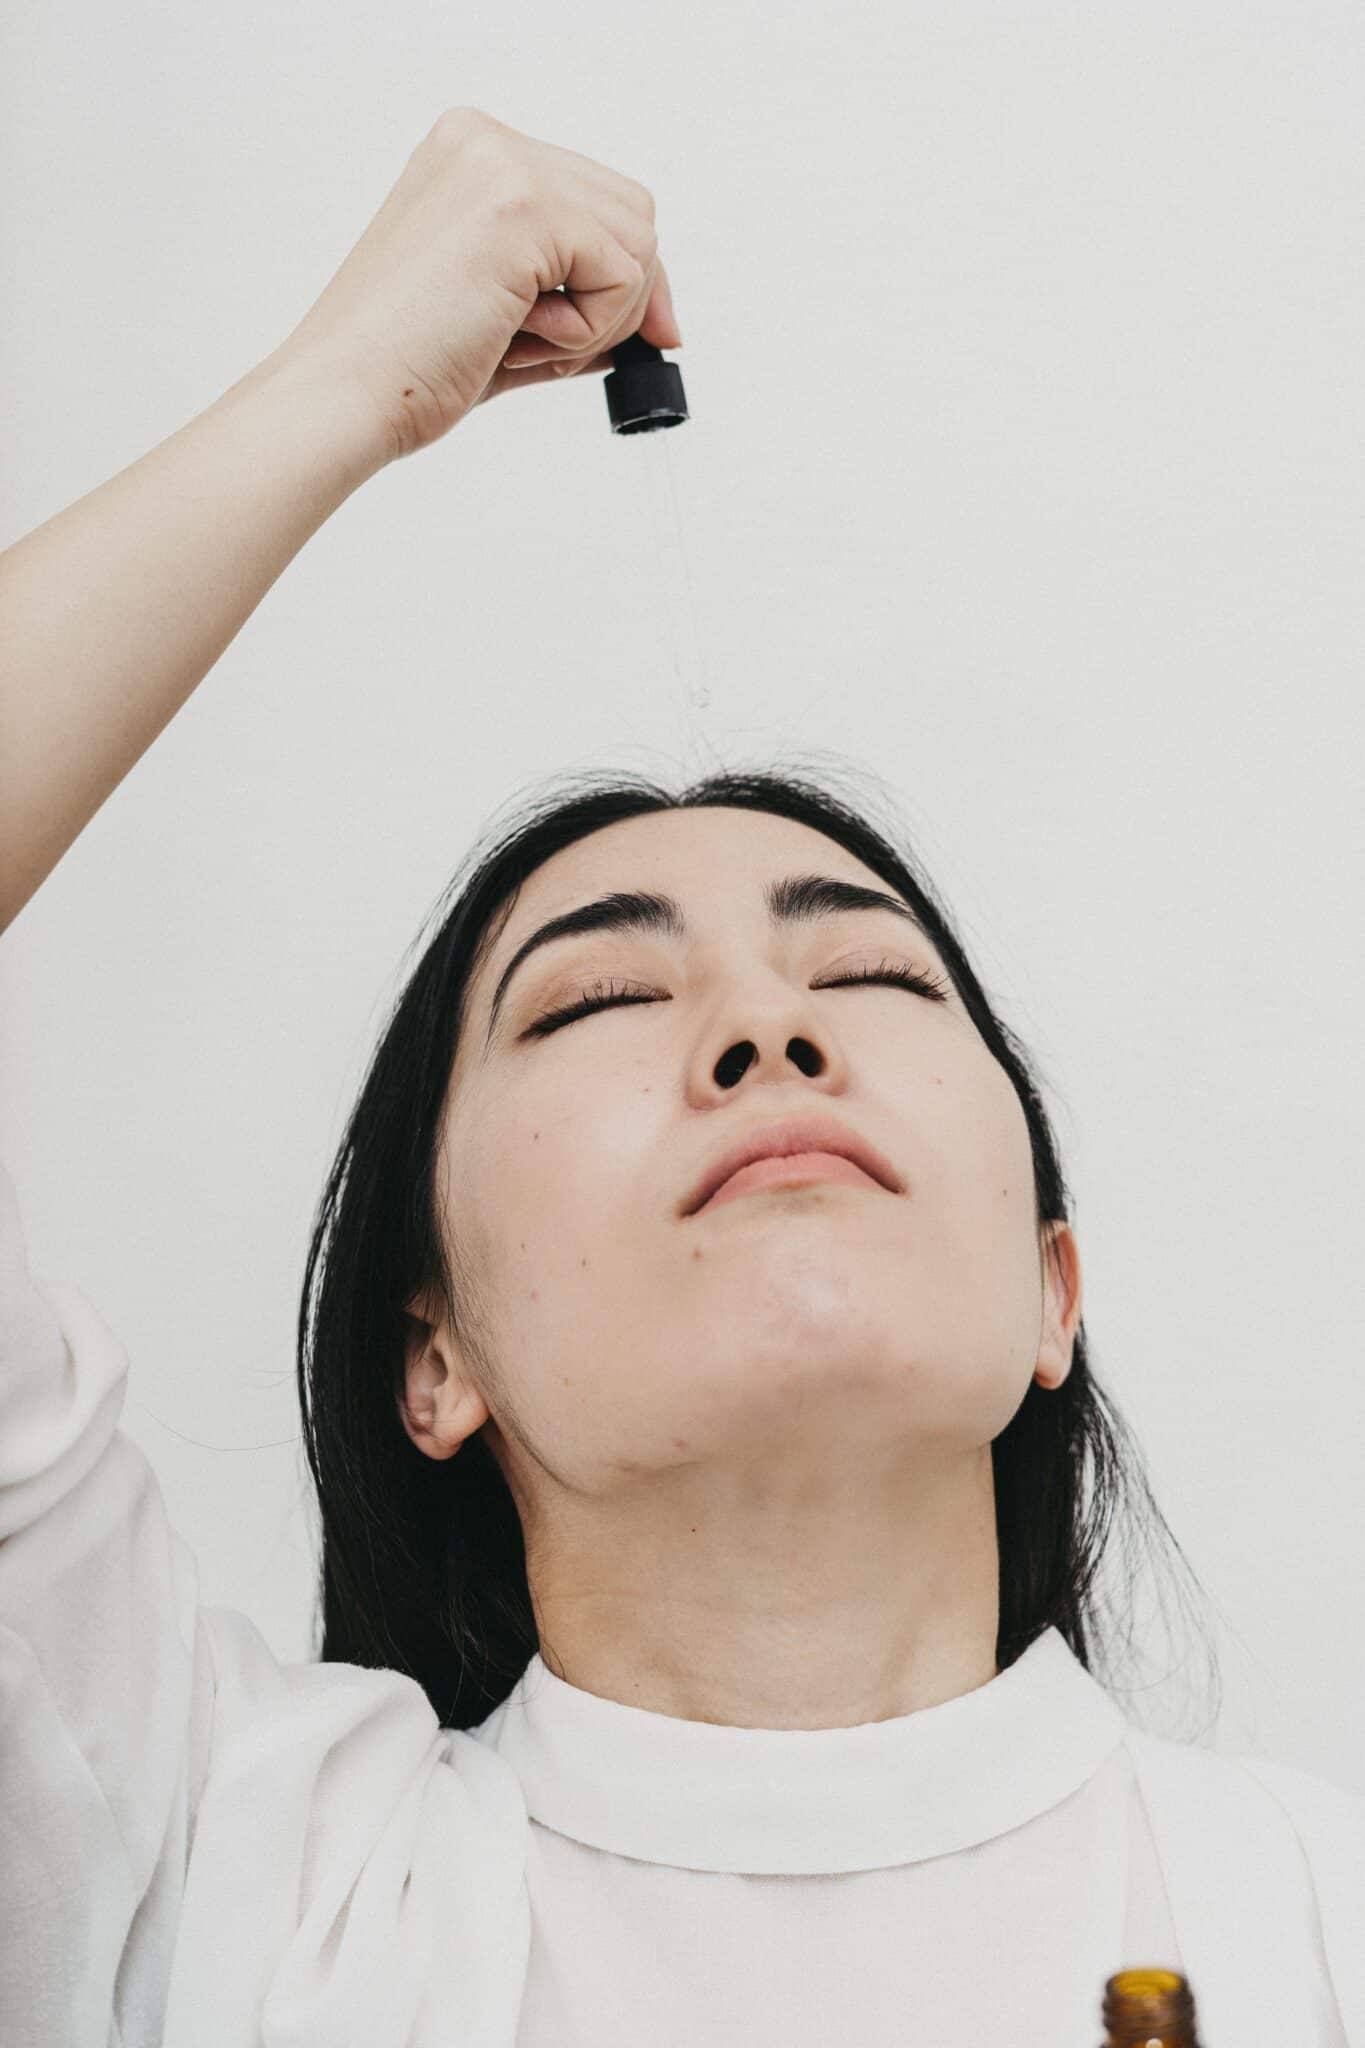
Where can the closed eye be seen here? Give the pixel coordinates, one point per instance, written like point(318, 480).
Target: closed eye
point(890, 972)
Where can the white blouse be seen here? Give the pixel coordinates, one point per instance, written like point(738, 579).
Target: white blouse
point(204, 1847)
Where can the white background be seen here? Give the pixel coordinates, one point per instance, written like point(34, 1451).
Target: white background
point(1023, 349)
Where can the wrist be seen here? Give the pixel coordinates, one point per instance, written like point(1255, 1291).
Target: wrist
point(330, 408)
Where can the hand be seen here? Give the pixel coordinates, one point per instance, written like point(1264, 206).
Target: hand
point(452, 295)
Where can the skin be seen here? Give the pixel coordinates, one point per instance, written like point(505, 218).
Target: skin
point(750, 1449)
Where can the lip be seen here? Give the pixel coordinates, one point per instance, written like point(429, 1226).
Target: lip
point(782, 1139)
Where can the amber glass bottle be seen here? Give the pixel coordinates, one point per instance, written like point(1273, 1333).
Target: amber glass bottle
point(1149, 2009)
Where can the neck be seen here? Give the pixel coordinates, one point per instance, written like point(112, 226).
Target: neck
point(849, 1604)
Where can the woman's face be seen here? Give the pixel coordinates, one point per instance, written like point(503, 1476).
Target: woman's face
point(633, 1366)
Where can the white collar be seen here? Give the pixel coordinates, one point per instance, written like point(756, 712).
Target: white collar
point(803, 1801)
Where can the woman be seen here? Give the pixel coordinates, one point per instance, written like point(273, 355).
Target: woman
point(693, 1377)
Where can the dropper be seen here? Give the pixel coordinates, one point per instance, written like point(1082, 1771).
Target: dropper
point(643, 391)
point(644, 394)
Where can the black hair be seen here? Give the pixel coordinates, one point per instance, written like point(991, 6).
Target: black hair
point(422, 1564)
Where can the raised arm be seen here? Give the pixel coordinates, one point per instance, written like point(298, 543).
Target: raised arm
point(113, 611)
point(116, 608)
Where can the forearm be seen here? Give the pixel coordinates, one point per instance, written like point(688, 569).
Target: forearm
point(112, 611)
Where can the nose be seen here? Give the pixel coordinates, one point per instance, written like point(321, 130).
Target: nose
point(766, 1030)
point(735, 1062)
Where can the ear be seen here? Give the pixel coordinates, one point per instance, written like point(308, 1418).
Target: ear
point(1061, 1304)
point(440, 1405)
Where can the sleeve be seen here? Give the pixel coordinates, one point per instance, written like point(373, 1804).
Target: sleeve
point(199, 1844)
point(106, 1682)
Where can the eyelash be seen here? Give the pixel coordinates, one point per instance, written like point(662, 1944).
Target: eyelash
point(906, 977)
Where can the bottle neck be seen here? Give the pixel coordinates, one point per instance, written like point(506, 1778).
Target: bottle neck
point(1149, 2009)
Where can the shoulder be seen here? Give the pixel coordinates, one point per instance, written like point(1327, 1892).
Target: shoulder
point(1303, 1790)
point(363, 1857)
point(344, 1759)
point(360, 1733)
point(1255, 1801)
point(1328, 1818)
point(1256, 1778)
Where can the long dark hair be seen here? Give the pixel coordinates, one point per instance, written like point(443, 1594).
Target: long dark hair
point(423, 1568)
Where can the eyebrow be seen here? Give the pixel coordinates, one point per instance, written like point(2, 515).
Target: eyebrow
point(798, 899)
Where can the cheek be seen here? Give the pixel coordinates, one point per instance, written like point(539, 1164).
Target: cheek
point(981, 1176)
point(978, 1130)
point(550, 1186)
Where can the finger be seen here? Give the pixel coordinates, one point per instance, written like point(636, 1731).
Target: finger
point(652, 317)
point(603, 283)
point(528, 352)
point(660, 322)
point(544, 373)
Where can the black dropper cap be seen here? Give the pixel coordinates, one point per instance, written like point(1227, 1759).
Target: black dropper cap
point(643, 391)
